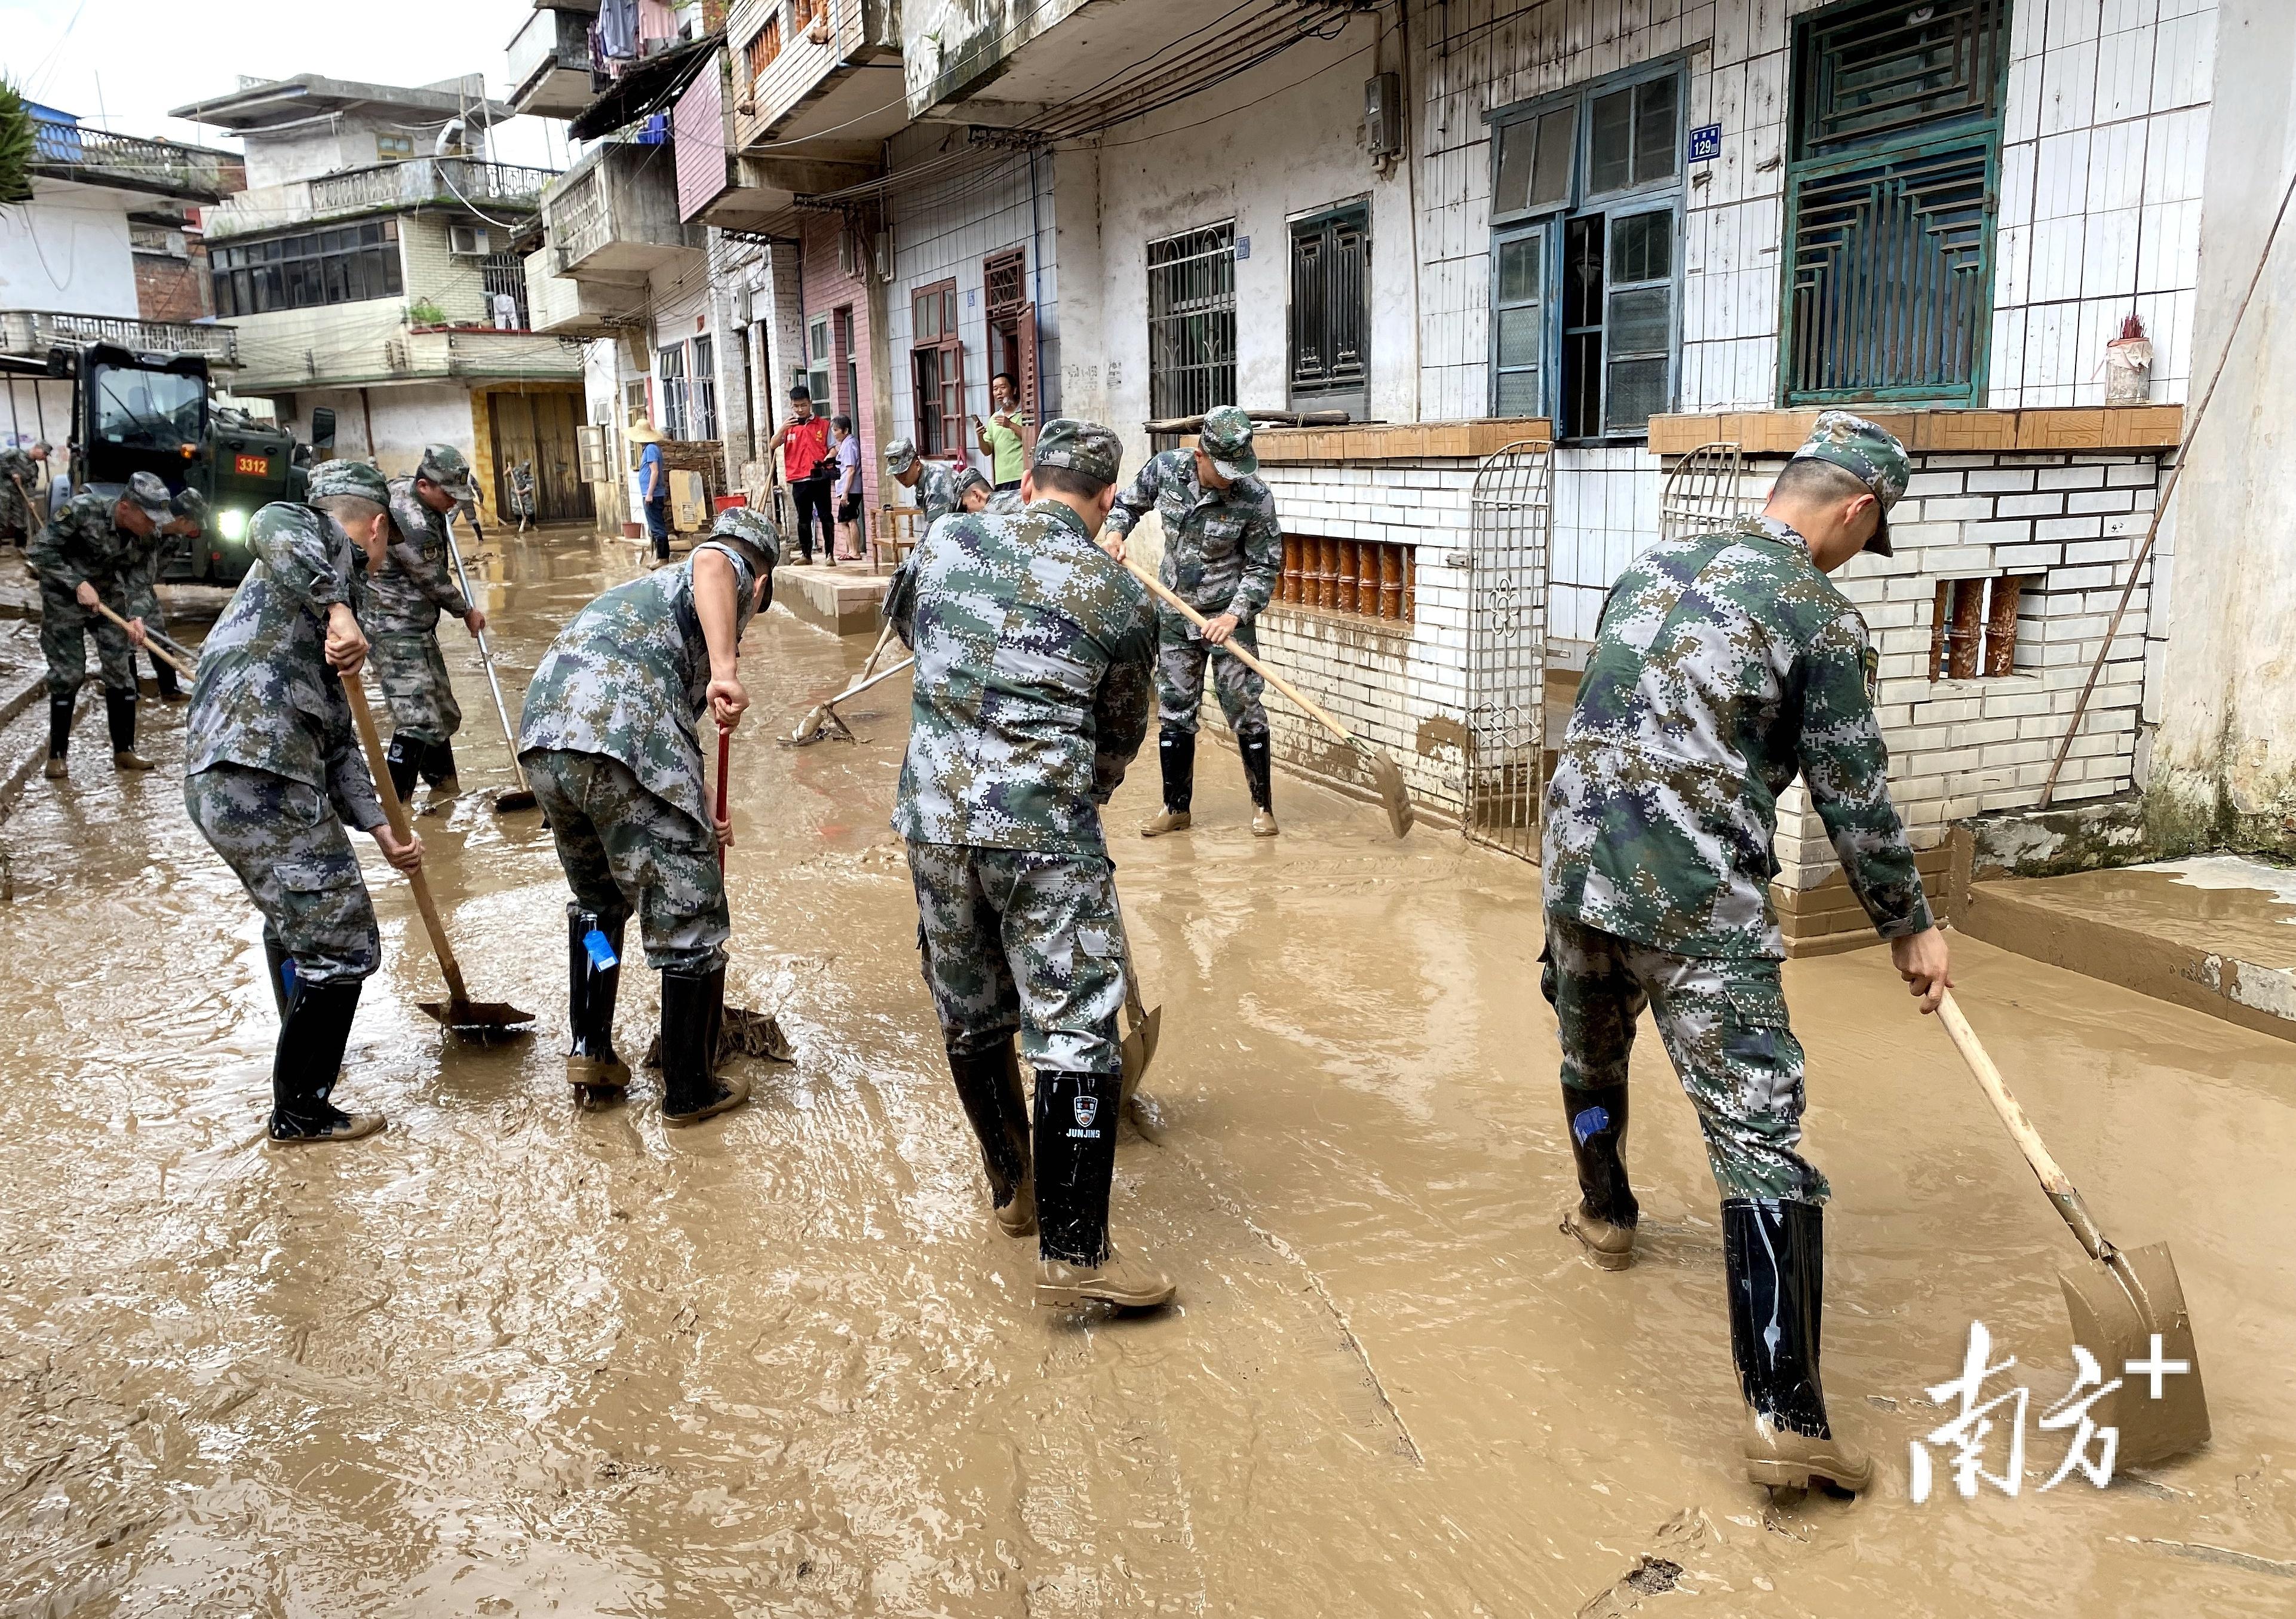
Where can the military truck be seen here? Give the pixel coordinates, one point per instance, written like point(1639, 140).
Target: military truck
point(140, 411)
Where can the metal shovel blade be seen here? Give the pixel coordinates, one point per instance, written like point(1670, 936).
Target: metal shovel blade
point(511, 800)
point(1139, 1049)
point(1386, 776)
point(2130, 1310)
point(741, 1032)
point(480, 1019)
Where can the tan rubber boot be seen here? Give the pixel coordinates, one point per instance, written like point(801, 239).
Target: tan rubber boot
point(1018, 1217)
point(589, 1072)
point(55, 769)
point(1263, 824)
point(1783, 1459)
point(353, 1127)
point(128, 759)
point(1163, 821)
point(737, 1091)
point(1126, 1284)
point(1612, 1247)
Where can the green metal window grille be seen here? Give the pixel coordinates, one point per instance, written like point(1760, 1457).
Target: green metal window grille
point(1892, 199)
point(1192, 322)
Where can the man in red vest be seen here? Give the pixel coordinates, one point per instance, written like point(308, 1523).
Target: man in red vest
point(810, 468)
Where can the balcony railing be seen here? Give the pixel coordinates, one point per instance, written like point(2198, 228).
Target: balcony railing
point(577, 222)
point(98, 157)
point(32, 332)
point(425, 180)
point(777, 66)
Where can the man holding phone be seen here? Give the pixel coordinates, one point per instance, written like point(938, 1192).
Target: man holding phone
point(999, 437)
point(810, 466)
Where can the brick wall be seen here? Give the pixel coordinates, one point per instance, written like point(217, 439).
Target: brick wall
point(453, 282)
point(167, 288)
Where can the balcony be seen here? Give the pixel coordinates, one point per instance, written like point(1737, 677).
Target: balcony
point(381, 188)
point(613, 216)
point(374, 345)
point(563, 306)
point(550, 64)
point(840, 66)
point(32, 332)
point(67, 151)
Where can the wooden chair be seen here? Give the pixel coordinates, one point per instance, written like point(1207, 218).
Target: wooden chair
point(894, 537)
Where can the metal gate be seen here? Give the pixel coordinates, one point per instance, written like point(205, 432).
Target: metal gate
point(1506, 647)
point(1703, 491)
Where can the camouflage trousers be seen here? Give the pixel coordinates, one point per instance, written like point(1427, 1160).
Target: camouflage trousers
point(64, 628)
point(625, 848)
point(412, 671)
point(283, 841)
point(1180, 661)
point(1723, 1021)
point(1015, 940)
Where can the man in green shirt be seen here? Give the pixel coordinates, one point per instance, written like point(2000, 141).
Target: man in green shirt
point(999, 437)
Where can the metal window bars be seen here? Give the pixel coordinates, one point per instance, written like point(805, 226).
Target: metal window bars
point(1508, 511)
point(1974, 633)
point(1192, 322)
point(1364, 577)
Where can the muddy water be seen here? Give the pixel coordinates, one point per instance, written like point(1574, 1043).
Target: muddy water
point(508, 1359)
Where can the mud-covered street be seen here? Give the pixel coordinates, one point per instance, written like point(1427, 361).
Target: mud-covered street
point(511, 1357)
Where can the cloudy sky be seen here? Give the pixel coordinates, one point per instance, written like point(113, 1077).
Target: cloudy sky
point(120, 64)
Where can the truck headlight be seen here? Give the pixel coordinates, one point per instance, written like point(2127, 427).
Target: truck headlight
point(233, 526)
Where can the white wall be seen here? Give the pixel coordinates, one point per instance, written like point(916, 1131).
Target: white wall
point(404, 418)
point(1262, 159)
point(67, 250)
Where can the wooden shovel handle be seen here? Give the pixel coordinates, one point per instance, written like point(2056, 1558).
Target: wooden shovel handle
point(158, 652)
point(2053, 1176)
point(395, 813)
point(724, 758)
point(1171, 599)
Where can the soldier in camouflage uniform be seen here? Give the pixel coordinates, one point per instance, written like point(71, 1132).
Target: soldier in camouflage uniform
point(187, 520)
point(1034, 653)
point(1727, 664)
point(933, 483)
point(1223, 554)
point(19, 492)
point(973, 491)
point(405, 597)
point(609, 743)
point(272, 772)
point(84, 556)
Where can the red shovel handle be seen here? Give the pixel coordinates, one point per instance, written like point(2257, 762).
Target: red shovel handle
point(725, 752)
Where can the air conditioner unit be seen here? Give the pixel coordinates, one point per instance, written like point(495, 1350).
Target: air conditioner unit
point(467, 241)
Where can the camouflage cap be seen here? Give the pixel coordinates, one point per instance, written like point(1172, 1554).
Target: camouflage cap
point(147, 491)
point(1866, 452)
point(752, 526)
point(444, 466)
point(190, 504)
point(1226, 437)
point(1081, 447)
point(900, 455)
point(967, 478)
point(346, 477)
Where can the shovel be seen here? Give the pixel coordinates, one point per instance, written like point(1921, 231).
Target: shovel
point(151, 646)
point(478, 1019)
point(2127, 1305)
point(825, 719)
point(510, 799)
point(1142, 1027)
point(821, 722)
point(1386, 775)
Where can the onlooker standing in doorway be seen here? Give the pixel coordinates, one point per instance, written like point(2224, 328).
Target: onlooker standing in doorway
point(653, 488)
point(849, 490)
point(1000, 436)
point(810, 466)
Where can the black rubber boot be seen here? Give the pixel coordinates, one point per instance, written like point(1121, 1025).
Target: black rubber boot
point(1075, 1161)
point(309, 1059)
point(988, 1084)
point(1260, 778)
point(591, 1063)
point(692, 1013)
point(1175, 751)
point(280, 967)
point(403, 760)
point(59, 724)
point(438, 766)
point(163, 680)
point(119, 713)
point(1606, 1213)
point(1774, 1256)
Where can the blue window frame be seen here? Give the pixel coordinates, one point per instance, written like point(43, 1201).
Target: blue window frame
point(1587, 254)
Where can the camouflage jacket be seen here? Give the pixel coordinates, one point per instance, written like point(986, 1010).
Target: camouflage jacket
point(17, 468)
point(1726, 663)
point(82, 543)
point(1036, 657)
point(407, 595)
point(140, 578)
point(264, 696)
point(935, 493)
point(628, 676)
point(1223, 548)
